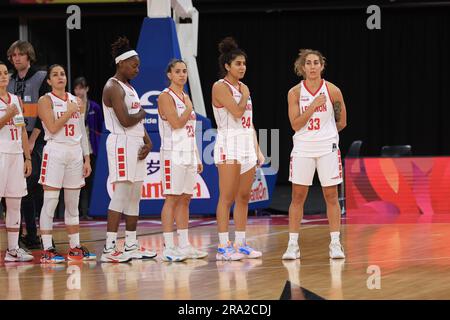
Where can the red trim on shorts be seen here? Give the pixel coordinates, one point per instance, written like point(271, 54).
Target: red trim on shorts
point(290, 167)
point(340, 163)
point(313, 94)
point(121, 161)
point(167, 173)
point(44, 167)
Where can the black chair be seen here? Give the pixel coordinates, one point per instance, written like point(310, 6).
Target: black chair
point(355, 149)
point(396, 151)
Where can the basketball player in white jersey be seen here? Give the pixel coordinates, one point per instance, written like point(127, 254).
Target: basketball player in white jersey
point(127, 146)
point(13, 168)
point(236, 152)
point(65, 164)
point(180, 162)
point(317, 113)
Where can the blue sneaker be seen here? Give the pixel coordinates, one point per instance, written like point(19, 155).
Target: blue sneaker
point(228, 253)
point(248, 251)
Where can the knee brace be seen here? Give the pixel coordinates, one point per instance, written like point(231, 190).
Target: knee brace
point(71, 213)
point(51, 198)
point(121, 196)
point(135, 198)
point(12, 219)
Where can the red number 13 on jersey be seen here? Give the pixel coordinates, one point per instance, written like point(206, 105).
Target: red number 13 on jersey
point(70, 130)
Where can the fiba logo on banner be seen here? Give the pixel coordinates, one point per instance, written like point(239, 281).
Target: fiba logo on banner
point(152, 186)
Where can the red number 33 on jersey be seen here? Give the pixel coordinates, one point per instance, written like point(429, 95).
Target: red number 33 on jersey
point(314, 124)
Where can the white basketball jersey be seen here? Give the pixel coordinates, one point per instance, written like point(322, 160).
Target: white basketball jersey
point(133, 104)
point(70, 133)
point(182, 139)
point(227, 124)
point(10, 135)
point(319, 136)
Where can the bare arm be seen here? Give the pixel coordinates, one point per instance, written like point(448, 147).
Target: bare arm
point(26, 149)
point(298, 120)
point(84, 138)
point(46, 114)
point(27, 166)
point(34, 135)
point(146, 148)
point(222, 97)
point(340, 112)
point(113, 96)
point(167, 108)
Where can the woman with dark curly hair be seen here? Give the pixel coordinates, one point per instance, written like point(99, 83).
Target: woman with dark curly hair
point(127, 146)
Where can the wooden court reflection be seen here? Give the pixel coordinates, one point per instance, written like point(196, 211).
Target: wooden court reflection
point(413, 260)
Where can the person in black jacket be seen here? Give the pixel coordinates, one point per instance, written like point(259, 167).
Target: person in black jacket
point(28, 83)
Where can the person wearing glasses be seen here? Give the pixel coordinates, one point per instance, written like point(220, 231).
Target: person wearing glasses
point(27, 82)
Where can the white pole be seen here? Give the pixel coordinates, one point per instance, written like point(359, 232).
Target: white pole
point(69, 71)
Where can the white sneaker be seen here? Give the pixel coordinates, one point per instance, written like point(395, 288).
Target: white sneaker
point(336, 251)
point(136, 252)
point(173, 254)
point(292, 252)
point(192, 253)
point(248, 251)
point(114, 255)
point(17, 255)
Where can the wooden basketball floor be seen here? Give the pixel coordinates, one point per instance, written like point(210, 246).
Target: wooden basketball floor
point(384, 261)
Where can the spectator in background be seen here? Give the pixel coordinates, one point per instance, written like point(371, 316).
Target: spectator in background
point(94, 124)
point(28, 84)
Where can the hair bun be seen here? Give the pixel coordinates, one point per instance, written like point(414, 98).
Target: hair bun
point(121, 45)
point(228, 44)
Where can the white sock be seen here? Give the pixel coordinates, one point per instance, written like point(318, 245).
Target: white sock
point(74, 240)
point(13, 240)
point(47, 241)
point(223, 238)
point(239, 237)
point(335, 236)
point(293, 238)
point(130, 238)
point(111, 238)
point(168, 239)
point(183, 238)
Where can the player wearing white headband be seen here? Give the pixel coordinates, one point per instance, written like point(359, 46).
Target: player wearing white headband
point(127, 147)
